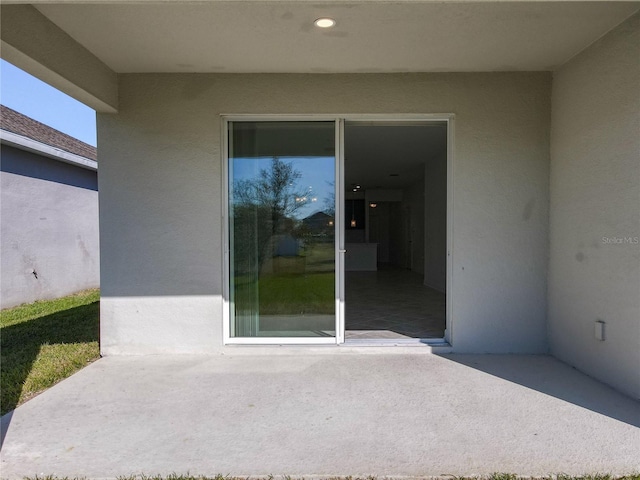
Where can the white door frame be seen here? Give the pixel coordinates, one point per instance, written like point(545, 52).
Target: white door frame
point(339, 120)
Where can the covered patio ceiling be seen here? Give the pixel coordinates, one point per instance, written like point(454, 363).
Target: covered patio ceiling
point(69, 41)
point(368, 36)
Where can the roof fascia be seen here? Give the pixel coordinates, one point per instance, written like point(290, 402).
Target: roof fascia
point(30, 145)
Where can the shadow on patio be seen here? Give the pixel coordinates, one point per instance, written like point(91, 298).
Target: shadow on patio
point(552, 377)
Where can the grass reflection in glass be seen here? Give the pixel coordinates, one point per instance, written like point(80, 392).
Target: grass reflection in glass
point(303, 284)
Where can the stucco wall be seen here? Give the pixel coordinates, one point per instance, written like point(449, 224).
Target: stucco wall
point(595, 199)
point(48, 225)
point(161, 215)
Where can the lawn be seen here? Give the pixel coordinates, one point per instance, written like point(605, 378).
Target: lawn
point(44, 342)
point(295, 294)
point(304, 284)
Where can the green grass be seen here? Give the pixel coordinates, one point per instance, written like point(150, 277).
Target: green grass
point(294, 294)
point(293, 285)
point(45, 342)
point(289, 293)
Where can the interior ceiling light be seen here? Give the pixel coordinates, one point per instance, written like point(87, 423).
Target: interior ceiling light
point(324, 22)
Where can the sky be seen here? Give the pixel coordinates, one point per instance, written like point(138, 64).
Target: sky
point(34, 98)
point(316, 178)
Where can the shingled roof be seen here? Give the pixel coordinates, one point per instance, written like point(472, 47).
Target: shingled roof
point(15, 122)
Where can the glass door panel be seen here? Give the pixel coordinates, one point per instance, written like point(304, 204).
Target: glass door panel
point(282, 229)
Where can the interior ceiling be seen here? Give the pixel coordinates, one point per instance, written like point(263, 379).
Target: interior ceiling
point(374, 152)
point(244, 36)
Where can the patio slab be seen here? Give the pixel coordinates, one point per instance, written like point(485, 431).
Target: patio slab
point(303, 415)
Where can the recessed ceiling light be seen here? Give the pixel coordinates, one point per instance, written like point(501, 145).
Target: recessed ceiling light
point(324, 22)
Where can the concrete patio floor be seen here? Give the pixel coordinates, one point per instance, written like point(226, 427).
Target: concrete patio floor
point(349, 414)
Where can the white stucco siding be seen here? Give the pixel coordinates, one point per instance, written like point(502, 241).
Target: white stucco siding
point(161, 197)
point(48, 226)
point(595, 198)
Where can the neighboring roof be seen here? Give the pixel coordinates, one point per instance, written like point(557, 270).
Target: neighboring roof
point(19, 124)
point(317, 216)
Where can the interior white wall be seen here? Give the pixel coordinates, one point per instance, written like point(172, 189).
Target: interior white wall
point(379, 226)
point(435, 223)
point(595, 198)
point(161, 197)
point(397, 241)
point(414, 201)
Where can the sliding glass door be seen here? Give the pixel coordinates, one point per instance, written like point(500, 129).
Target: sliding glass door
point(282, 230)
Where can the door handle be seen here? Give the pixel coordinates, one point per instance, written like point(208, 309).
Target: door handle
point(342, 251)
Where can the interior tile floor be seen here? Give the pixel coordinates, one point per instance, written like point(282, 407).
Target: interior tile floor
point(392, 303)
